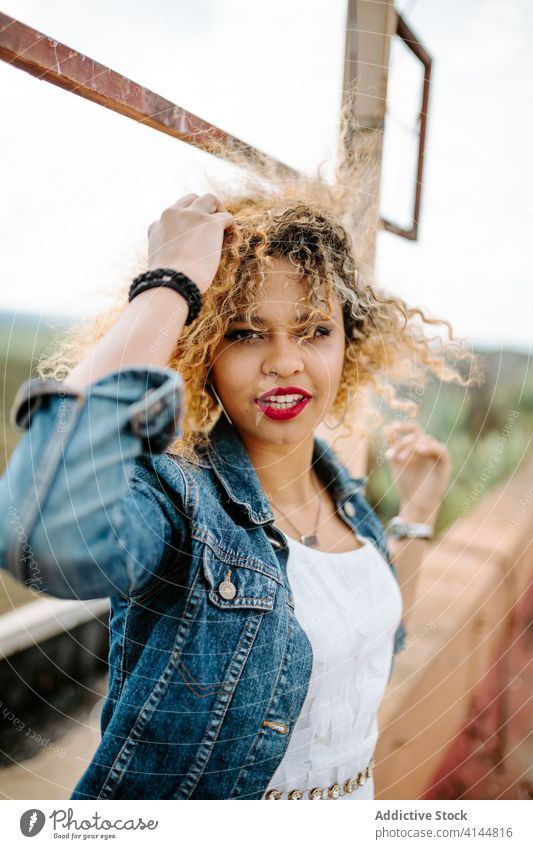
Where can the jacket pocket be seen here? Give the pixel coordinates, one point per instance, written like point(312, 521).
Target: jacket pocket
point(233, 582)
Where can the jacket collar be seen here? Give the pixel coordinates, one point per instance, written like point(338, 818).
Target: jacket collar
point(228, 458)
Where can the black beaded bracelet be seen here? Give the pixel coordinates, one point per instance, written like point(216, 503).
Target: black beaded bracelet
point(172, 279)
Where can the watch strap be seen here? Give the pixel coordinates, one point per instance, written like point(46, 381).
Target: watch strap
point(400, 529)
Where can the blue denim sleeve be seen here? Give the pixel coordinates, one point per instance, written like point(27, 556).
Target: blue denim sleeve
point(81, 510)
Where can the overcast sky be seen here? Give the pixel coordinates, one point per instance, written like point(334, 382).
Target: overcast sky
point(81, 184)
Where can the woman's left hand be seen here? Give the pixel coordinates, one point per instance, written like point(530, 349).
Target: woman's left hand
point(421, 468)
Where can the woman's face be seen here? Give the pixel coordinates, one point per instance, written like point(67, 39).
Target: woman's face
point(249, 364)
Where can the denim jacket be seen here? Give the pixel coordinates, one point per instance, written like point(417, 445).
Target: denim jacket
point(205, 686)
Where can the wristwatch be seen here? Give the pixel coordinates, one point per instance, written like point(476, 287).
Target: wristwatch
point(400, 529)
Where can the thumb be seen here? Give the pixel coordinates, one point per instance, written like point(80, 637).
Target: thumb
point(226, 219)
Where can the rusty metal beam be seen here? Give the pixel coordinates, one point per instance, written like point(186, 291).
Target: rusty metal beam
point(49, 60)
point(404, 32)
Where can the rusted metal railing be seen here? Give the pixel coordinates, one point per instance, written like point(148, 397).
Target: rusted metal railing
point(56, 63)
point(413, 43)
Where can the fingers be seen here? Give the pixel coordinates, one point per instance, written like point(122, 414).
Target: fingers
point(182, 203)
point(205, 203)
point(422, 446)
point(220, 213)
point(397, 428)
point(422, 443)
point(227, 220)
point(186, 200)
point(433, 448)
point(402, 446)
point(208, 203)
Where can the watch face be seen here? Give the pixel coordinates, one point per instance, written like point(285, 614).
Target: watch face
point(399, 529)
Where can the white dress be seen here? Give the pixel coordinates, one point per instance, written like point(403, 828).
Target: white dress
point(350, 605)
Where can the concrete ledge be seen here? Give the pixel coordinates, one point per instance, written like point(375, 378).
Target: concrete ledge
point(469, 583)
point(52, 651)
point(46, 617)
point(55, 769)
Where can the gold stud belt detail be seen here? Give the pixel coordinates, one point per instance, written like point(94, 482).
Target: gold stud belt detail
point(332, 792)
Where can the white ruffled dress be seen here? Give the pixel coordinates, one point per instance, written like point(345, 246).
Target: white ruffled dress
point(350, 605)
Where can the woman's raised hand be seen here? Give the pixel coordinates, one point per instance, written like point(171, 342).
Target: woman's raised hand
point(420, 467)
point(188, 237)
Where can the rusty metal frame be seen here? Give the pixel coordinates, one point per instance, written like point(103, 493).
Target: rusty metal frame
point(54, 62)
point(413, 43)
point(46, 59)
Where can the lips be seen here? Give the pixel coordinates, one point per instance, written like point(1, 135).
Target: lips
point(284, 390)
point(297, 400)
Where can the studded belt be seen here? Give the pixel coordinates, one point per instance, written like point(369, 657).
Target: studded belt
point(331, 792)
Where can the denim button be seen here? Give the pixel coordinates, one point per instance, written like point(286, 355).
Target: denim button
point(349, 509)
point(227, 589)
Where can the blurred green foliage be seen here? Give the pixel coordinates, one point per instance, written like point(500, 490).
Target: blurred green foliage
point(22, 340)
point(487, 428)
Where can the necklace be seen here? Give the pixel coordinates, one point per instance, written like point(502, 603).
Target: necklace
point(306, 539)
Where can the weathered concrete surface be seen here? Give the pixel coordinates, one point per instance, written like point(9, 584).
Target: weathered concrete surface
point(53, 772)
point(472, 584)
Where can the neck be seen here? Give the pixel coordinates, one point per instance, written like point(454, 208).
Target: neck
point(284, 471)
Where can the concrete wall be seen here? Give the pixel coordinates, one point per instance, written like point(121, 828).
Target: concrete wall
point(470, 583)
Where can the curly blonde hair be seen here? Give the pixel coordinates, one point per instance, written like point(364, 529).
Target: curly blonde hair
point(309, 222)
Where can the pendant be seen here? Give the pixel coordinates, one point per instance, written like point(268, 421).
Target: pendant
point(310, 539)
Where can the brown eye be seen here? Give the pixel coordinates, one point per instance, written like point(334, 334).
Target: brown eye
point(240, 335)
point(244, 335)
point(322, 331)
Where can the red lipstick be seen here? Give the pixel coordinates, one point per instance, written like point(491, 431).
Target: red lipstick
point(289, 410)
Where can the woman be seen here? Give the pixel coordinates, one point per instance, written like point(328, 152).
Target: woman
point(255, 608)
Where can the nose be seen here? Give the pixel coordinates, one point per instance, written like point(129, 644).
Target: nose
point(283, 357)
